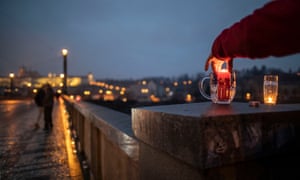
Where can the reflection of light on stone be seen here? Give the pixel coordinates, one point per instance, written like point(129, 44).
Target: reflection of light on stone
point(12, 128)
point(72, 160)
point(129, 145)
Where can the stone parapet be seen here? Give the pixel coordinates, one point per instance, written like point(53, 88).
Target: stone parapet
point(206, 135)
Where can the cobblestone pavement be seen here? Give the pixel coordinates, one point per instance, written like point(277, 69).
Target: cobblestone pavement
point(27, 152)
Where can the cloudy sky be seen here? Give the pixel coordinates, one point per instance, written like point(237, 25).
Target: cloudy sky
point(120, 39)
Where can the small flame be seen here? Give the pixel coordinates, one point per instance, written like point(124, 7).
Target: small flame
point(223, 70)
point(270, 99)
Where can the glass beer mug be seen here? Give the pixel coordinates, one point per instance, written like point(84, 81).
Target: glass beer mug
point(222, 86)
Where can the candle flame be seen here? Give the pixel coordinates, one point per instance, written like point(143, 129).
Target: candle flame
point(223, 70)
point(270, 99)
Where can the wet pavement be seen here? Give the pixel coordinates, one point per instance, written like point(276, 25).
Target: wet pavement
point(27, 152)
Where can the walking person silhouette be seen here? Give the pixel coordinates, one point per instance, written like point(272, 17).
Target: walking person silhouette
point(48, 106)
point(38, 99)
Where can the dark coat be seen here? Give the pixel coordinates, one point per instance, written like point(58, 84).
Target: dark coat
point(39, 97)
point(49, 95)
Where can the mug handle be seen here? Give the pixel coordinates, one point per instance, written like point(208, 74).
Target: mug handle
point(203, 93)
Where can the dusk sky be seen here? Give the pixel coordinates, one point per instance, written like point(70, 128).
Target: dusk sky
point(120, 39)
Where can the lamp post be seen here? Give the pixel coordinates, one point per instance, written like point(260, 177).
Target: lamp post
point(64, 52)
point(11, 76)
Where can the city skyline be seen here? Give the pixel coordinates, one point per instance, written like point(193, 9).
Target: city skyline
point(120, 40)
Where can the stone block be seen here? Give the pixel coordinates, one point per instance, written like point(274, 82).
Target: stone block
point(207, 135)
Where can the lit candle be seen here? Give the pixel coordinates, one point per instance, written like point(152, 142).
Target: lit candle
point(223, 77)
point(270, 89)
point(270, 100)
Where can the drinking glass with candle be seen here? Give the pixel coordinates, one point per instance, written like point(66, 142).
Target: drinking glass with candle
point(222, 86)
point(270, 89)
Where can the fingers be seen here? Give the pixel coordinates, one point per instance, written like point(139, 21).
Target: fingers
point(208, 62)
point(216, 64)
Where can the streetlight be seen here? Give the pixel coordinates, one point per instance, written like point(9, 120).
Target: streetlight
point(11, 76)
point(64, 52)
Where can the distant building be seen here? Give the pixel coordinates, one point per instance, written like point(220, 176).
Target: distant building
point(144, 91)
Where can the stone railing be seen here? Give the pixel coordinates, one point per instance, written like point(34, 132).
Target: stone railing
point(188, 141)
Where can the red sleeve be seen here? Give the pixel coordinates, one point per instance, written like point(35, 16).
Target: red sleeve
point(273, 30)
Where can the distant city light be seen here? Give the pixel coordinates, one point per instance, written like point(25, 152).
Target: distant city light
point(59, 91)
point(87, 92)
point(154, 98)
point(188, 98)
point(167, 89)
point(144, 90)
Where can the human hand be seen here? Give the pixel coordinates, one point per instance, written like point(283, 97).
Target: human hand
point(216, 64)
